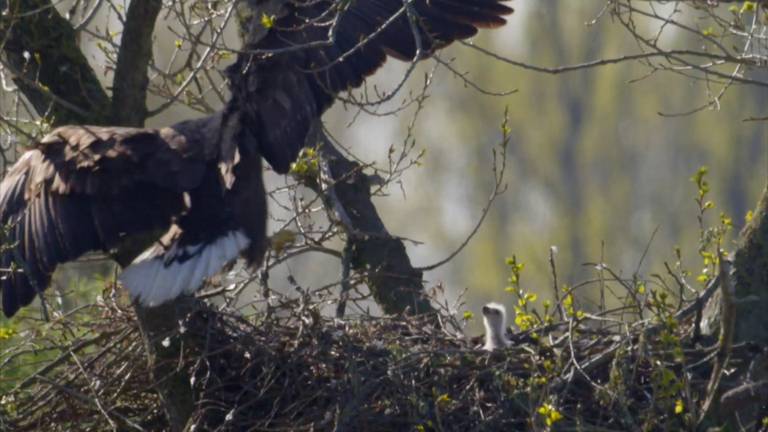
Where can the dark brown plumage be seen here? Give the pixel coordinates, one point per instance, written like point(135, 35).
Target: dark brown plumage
point(197, 186)
point(86, 188)
point(295, 70)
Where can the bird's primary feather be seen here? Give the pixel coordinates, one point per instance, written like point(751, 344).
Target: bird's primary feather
point(285, 79)
point(85, 188)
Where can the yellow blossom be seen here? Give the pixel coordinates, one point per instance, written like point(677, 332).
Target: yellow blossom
point(6, 333)
point(550, 414)
point(267, 21)
point(749, 6)
point(679, 407)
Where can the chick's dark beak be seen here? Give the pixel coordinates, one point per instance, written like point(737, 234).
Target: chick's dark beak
point(486, 310)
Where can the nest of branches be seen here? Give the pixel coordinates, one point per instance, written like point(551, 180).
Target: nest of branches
point(292, 368)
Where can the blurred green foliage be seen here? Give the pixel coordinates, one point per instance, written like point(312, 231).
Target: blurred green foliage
point(75, 286)
point(599, 158)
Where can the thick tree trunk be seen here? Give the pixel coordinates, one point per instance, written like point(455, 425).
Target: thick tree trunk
point(42, 50)
point(165, 343)
point(751, 277)
point(129, 93)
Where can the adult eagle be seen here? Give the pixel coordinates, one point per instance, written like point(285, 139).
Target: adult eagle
point(291, 72)
point(195, 188)
point(114, 189)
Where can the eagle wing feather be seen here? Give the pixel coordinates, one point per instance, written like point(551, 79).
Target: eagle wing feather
point(295, 71)
point(86, 188)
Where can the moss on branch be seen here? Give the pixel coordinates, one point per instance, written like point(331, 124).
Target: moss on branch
point(41, 48)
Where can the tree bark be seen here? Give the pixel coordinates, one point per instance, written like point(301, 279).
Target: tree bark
point(381, 258)
point(370, 250)
point(129, 94)
point(42, 51)
point(166, 345)
point(751, 276)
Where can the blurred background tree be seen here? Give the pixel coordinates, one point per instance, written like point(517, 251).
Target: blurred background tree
point(600, 157)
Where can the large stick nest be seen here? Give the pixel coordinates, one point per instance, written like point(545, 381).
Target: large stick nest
point(295, 369)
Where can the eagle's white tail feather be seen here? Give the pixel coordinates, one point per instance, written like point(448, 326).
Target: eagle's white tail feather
point(167, 281)
point(154, 280)
point(150, 273)
point(200, 272)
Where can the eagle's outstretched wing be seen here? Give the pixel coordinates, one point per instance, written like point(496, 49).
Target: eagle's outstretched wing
point(89, 188)
point(318, 48)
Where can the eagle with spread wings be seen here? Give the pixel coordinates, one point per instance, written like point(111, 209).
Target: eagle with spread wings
point(192, 193)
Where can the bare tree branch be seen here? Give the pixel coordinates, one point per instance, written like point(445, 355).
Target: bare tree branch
point(381, 258)
point(129, 98)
